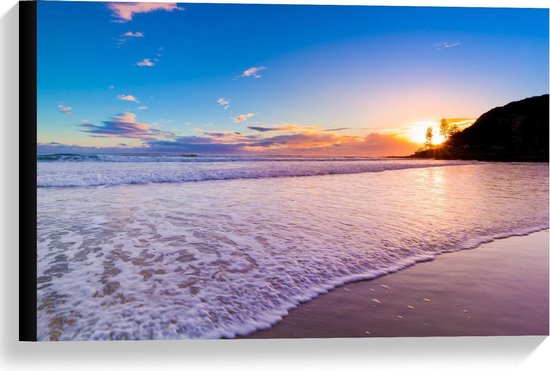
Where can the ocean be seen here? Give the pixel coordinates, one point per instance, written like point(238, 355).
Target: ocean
point(173, 247)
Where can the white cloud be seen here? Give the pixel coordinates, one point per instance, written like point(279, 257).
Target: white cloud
point(125, 36)
point(125, 11)
point(242, 118)
point(65, 109)
point(447, 44)
point(223, 102)
point(253, 72)
point(145, 63)
point(133, 34)
point(142, 107)
point(129, 98)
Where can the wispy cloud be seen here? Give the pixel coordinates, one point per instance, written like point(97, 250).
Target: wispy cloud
point(261, 129)
point(142, 107)
point(230, 137)
point(145, 63)
point(129, 98)
point(223, 102)
point(133, 34)
point(336, 129)
point(303, 141)
point(65, 109)
point(127, 35)
point(124, 125)
point(461, 121)
point(242, 118)
point(287, 127)
point(447, 44)
point(124, 12)
point(253, 72)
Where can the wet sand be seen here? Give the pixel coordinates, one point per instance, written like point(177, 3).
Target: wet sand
point(499, 288)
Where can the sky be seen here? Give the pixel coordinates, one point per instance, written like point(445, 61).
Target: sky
point(276, 79)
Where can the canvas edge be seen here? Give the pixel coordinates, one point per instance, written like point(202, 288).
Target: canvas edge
point(27, 169)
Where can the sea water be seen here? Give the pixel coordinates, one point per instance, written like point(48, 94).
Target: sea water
point(168, 247)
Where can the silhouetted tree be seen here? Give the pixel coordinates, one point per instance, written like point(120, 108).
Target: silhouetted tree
point(429, 137)
point(453, 130)
point(444, 128)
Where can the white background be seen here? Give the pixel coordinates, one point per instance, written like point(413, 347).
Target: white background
point(499, 353)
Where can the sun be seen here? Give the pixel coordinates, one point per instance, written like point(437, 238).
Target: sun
point(417, 132)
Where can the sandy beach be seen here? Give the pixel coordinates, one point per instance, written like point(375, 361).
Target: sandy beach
point(499, 288)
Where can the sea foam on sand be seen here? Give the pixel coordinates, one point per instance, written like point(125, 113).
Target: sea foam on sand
point(497, 289)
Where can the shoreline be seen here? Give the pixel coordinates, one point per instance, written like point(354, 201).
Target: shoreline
point(497, 288)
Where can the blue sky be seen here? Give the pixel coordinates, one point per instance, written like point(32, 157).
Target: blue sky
point(220, 78)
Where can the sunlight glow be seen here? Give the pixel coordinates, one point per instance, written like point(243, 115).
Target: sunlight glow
point(417, 132)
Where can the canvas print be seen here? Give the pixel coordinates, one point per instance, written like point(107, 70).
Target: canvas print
point(209, 171)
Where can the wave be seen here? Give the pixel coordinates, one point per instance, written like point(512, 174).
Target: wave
point(155, 157)
point(67, 173)
point(75, 157)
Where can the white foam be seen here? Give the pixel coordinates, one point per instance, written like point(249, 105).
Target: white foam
point(94, 173)
point(220, 259)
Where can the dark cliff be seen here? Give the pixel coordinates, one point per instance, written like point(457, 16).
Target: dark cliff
point(517, 131)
